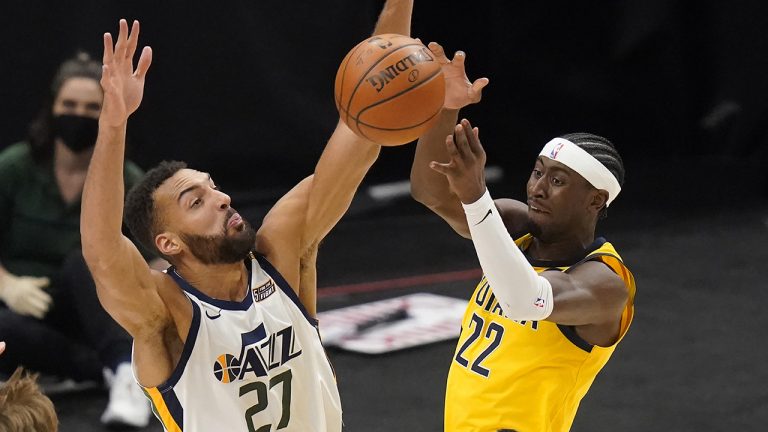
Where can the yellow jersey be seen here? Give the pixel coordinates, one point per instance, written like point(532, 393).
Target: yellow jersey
point(525, 376)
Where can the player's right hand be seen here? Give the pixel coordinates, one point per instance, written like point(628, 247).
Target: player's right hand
point(465, 171)
point(25, 294)
point(123, 86)
point(459, 90)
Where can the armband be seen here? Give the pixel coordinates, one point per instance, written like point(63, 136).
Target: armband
point(521, 292)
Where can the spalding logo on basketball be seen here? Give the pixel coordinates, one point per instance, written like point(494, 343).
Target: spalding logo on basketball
point(226, 368)
point(389, 89)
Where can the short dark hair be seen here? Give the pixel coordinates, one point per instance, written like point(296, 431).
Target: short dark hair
point(24, 406)
point(139, 214)
point(604, 151)
point(40, 133)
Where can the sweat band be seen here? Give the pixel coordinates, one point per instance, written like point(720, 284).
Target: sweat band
point(577, 159)
point(521, 292)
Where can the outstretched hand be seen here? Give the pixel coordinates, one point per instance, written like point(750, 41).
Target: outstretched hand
point(123, 86)
point(466, 169)
point(459, 90)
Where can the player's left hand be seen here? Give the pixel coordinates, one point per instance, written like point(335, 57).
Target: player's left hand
point(459, 90)
point(123, 86)
point(466, 169)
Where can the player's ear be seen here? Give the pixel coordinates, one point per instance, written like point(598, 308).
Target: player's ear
point(169, 244)
point(599, 198)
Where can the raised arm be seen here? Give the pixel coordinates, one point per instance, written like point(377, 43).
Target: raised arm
point(395, 17)
point(590, 294)
point(124, 282)
point(306, 214)
point(347, 157)
point(427, 186)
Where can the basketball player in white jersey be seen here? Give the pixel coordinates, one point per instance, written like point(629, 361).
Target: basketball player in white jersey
point(226, 338)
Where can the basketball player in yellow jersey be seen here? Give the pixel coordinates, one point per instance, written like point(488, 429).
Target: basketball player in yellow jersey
point(225, 339)
point(554, 303)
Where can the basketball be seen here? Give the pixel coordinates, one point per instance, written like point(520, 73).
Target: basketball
point(389, 89)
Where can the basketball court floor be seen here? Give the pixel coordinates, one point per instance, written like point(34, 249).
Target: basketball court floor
point(694, 358)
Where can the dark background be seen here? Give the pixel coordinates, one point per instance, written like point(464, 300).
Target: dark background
point(243, 89)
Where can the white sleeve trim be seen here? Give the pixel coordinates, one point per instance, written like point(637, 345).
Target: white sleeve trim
point(521, 292)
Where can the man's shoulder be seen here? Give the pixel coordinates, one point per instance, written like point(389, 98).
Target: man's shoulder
point(603, 247)
point(606, 260)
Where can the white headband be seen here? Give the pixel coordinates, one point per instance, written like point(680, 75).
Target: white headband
point(577, 159)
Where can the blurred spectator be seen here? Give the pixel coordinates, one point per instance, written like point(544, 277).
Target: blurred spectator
point(49, 311)
point(23, 407)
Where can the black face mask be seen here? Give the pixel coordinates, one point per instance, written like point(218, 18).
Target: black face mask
point(78, 133)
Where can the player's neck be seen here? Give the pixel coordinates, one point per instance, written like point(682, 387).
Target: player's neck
point(220, 281)
point(561, 248)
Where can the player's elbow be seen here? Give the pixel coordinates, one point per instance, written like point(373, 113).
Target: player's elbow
point(444, 208)
point(426, 196)
point(418, 191)
point(461, 228)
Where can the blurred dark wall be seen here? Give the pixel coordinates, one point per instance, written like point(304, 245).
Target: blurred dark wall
point(244, 89)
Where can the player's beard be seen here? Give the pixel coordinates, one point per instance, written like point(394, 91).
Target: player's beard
point(221, 248)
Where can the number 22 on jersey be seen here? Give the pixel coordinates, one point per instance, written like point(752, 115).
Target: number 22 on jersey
point(481, 334)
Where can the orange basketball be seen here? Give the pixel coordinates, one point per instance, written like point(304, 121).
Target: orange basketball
point(389, 89)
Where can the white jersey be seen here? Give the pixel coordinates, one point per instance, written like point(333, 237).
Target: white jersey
point(254, 365)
